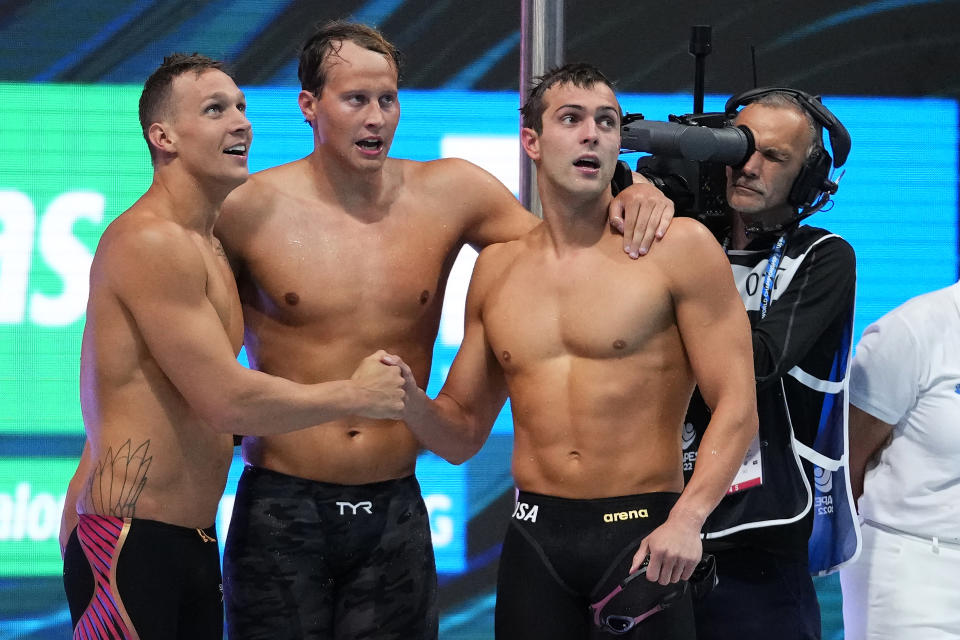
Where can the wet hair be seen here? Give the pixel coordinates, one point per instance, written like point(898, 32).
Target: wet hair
point(786, 100)
point(579, 74)
point(155, 99)
point(327, 41)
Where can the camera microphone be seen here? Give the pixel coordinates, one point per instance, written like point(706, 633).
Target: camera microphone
point(726, 145)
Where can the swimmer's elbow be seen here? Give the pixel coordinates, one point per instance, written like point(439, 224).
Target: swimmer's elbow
point(227, 415)
point(226, 404)
point(455, 432)
point(461, 454)
point(748, 413)
point(461, 448)
point(456, 451)
point(740, 415)
point(754, 418)
point(748, 420)
point(456, 459)
point(227, 422)
point(475, 442)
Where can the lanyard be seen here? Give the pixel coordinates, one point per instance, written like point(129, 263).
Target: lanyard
point(769, 275)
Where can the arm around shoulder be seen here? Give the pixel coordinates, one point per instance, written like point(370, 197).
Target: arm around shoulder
point(490, 213)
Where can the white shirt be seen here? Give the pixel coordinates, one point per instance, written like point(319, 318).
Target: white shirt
point(907, 373)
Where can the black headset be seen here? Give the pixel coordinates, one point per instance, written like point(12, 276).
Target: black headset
point(812, 187)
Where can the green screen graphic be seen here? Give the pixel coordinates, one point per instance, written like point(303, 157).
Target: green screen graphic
point(71, 160)
point(31, 501)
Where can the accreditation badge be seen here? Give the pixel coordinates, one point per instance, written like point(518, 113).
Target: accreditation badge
point(750, 473)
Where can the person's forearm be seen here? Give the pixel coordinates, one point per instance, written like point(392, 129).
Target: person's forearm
point(858, 470)
point(721, 452)
point(444, 427)
point(868, 434)
point(261, 405)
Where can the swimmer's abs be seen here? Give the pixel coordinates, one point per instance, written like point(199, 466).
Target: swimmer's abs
point(358, 452)
point(586, 476)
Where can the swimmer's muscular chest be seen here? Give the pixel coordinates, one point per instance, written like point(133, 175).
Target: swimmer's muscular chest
point(534, 315)
point(305, 268)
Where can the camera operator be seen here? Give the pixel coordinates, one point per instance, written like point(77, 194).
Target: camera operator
point(797, 283)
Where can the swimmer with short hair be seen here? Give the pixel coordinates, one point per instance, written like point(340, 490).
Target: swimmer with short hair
point(599, 375)
point(336, 251)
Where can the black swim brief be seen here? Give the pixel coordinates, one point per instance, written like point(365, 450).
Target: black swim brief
point(561, 555)
point(308, 559)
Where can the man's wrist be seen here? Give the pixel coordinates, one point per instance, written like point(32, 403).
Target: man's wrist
point(689, 516)
point(415, 407)
point(352, 397)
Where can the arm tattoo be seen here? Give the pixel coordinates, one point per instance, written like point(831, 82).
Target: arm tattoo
point(118, 479)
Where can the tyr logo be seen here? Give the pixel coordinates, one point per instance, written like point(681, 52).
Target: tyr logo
point(366, 505)
point(523, 511)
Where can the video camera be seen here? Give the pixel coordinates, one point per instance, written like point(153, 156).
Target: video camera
point(689, 153)
point(688, 156)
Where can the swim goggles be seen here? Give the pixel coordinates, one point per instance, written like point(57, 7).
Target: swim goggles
point(658, 597)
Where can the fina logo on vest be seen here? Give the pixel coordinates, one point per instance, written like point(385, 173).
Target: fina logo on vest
point(823, 479)
point(688, 436)
point(824, 482)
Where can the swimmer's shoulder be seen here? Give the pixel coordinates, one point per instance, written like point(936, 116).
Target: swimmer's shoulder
point(145, 241)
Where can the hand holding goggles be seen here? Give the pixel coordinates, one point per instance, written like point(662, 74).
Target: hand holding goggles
point(652, 596)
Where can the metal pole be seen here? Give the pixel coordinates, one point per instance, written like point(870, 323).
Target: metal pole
point(700, 47)
point(541, 47)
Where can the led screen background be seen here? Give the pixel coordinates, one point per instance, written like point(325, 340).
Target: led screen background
point(72, 158)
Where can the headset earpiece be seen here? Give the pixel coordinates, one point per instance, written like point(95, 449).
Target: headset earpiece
point(813, 182)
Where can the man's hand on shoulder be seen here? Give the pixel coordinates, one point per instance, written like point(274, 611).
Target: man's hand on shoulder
point(641, 213)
